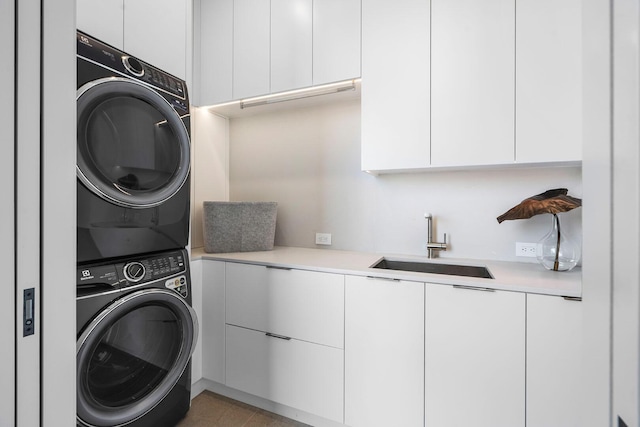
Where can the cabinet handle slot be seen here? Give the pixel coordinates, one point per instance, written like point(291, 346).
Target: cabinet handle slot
point(389, 279)
point(273, 267)
point(573, 298)
point(280, 337)
point(473, 288)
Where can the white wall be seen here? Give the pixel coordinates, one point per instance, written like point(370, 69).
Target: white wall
point(308, 160)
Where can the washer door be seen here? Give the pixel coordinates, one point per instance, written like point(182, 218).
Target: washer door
point(131, 356)
point(133, 148)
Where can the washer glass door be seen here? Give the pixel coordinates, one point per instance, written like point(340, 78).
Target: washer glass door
point(133, 147)
point(131, 355)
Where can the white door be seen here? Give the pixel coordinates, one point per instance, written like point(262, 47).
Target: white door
point(554, 361)
point(384, 352)
point(474, 357)
point(7, 219)
point(472, 82)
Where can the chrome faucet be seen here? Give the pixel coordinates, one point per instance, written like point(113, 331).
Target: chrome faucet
point(431, 245)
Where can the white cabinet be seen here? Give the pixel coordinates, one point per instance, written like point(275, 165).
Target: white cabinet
point(472, 82)
point(548, 80)
point(212, 321)
point(291, 44)
point(300, 304)
point(251, 50)
point(336, 40)
point(214, 50)
point(102, 20)
point(285, 337)
point(474, 357)
point(395, 85)
point(554, 361)
point(384, 352)
point(292, 372)
point(155, 31)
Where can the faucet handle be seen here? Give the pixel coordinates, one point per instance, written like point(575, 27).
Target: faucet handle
point(445, 238)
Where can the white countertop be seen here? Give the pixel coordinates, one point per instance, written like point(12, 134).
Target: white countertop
point(509, 276)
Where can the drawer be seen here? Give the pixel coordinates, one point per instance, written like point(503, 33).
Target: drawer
point(295, 373)
point(305, 305)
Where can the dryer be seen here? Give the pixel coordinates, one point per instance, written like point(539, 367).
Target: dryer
point(136, 331)
point(133, 155)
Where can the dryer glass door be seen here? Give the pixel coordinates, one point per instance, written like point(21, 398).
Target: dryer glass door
point(133, 147)
point(131, 355)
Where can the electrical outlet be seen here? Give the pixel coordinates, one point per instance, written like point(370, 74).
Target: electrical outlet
point(526, 249)
point(323, 239)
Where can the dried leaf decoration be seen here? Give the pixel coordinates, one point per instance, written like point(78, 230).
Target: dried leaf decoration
point(551, 201)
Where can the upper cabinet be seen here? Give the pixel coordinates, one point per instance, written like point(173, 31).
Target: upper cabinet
point(291, 44)
point(251, 28)
point(395, 84)
point(336, 40)
point(155, 31)
point(247, 48)
point(472, 82)
point(549, 80)
point(457, 83)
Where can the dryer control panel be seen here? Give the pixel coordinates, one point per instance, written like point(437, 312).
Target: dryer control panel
point(138, 271)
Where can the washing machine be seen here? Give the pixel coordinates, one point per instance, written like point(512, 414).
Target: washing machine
point(133, 155)
point(136, 331)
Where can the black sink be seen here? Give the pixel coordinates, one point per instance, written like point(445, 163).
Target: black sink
point(434, 268)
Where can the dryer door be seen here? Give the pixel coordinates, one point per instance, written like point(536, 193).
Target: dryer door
point(131, 356)
point(133, 147)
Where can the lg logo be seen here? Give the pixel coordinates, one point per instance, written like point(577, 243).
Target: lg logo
point(84, 39)
point(86, 273)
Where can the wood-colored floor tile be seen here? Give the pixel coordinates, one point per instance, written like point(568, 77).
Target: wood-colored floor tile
point(213, 410)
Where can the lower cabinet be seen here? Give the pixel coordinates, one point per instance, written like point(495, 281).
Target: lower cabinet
point(554, 361)
point(371, 352)
point(212, 320)
point(296, 373)
point(285, 336)
point(474, 357)
point(384, 352)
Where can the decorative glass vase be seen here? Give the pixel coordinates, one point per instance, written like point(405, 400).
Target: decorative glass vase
point(556, 251)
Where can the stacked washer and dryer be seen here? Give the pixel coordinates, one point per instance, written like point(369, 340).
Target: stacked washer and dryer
point(136, 329)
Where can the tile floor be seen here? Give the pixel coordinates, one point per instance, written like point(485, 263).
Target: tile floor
point(213, 410)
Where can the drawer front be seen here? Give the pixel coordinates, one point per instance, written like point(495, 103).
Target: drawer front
point(295, 373)
point(305, 305)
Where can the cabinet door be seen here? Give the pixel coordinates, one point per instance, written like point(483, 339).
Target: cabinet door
point(102, 19)
point(291, 44)
point(549, 80)
point(215, 51)
point(395, 84)
point(306, 305)
point(156, 32)
point(336, 40)
point(212, 321)
point(299, 374)
point(251, 47)
point(474, 357)
point(472, 80)
point(554, 361)
point(384, 352)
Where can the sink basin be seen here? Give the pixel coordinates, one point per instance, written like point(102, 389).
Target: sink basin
point(434, 268)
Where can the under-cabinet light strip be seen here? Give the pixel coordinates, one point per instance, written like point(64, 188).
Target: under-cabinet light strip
point(342, 86)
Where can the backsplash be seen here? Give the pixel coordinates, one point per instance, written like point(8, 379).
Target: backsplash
point(308, 160)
